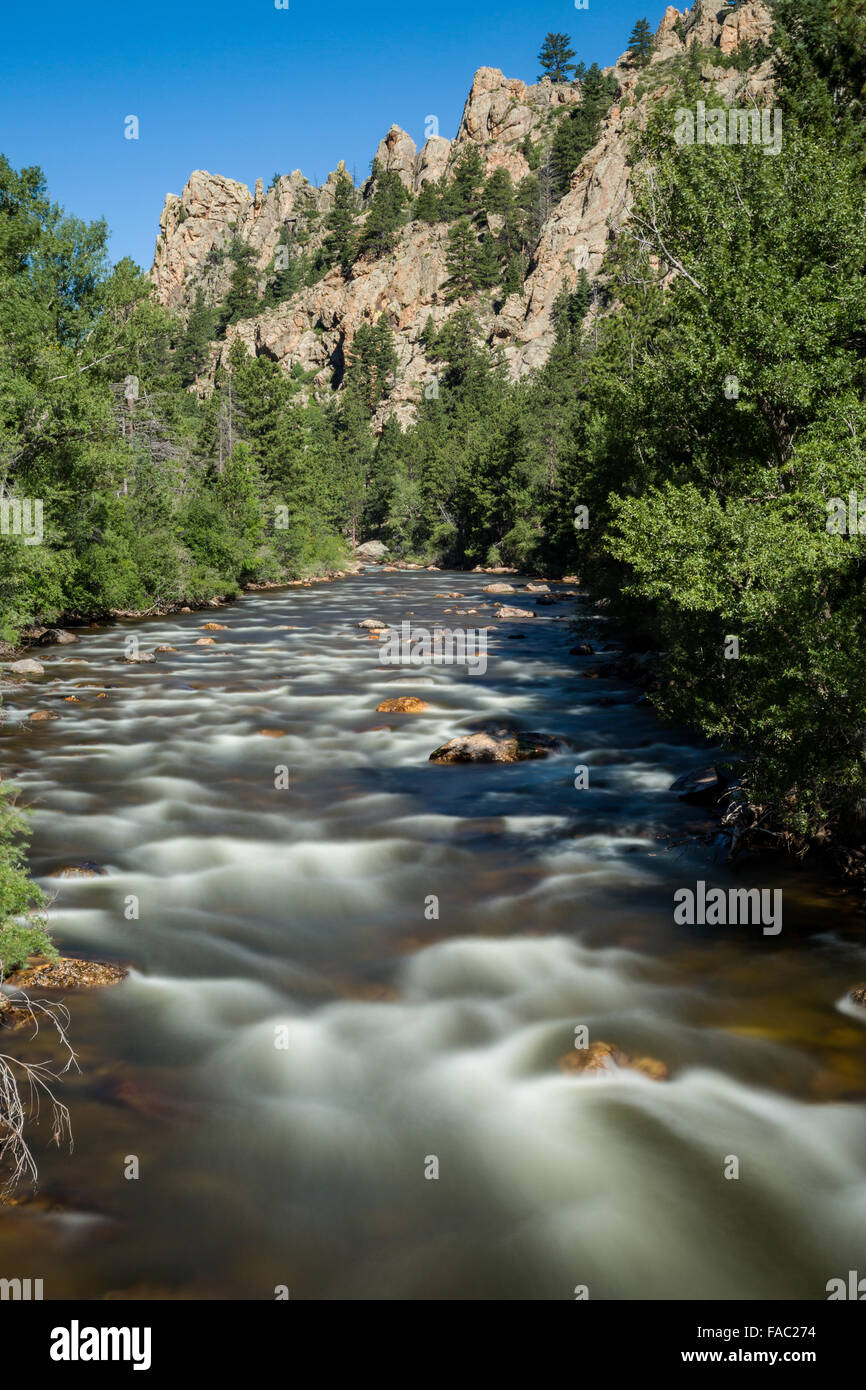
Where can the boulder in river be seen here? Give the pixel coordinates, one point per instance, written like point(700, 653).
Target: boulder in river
point(402, 704)
point(606, 1059)
point(371, 550)
point(55, 637)
point(546, 598)
point(498, 589)
point(373, 624)
point(216, 627)
point(143, 659)
point(496, 746)
point(540, 588)
point(27, 667)
point(205, 641)
point(701, 785)
point(505, 610)
point(42, 716)
point(858, 995)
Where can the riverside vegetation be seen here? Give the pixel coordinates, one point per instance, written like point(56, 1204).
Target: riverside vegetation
point(705, 419)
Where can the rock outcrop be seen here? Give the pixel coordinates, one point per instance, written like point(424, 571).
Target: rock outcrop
point(505, 119)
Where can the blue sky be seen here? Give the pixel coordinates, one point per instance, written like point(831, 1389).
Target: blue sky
point(248, 90)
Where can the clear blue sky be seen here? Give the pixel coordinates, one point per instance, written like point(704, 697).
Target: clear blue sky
point(244, 89)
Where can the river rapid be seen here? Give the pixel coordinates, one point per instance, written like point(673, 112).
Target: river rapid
point(299, 1037)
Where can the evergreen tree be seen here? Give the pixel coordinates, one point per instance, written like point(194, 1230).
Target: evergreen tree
point(389, 198)
point(193, 350)
point(242, 299)
point(555, 57)
point(640, 43)
point(427, 204)
point(461, 258)
point(339, 245)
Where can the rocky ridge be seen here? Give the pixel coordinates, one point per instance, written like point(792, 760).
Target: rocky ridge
point(316, 326)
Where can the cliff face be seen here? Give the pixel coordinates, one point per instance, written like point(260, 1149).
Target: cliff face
point(316, 326)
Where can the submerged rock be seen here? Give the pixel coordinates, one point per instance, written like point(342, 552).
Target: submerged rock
point(858, 995)
point(85, 868)
point(43, 715)
point(402, 704)
point(606, 1059)
point(582, 649)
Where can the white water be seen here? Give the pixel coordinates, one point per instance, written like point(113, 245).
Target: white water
point(408, 1038)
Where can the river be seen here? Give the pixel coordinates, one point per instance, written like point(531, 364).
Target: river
point(299, 1036)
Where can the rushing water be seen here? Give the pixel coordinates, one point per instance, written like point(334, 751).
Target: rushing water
point(303, 910)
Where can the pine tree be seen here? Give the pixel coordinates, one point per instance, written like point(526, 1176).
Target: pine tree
point(428, 206)
point(640, 43)
point(461, 259)
point(193, 349)
point(499, 193)
point(555, 57)
point(386, 211)
point(339, 245)
point(242, 298)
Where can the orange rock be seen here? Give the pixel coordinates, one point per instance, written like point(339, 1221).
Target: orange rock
point(403, 704)
point(204, 642)
point(271, 733)
point(215, 627)
point(602, 1058)
point(42, 715)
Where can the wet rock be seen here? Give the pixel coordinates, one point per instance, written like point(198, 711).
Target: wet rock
point(582, 649)
point(56, 637)
point(373, 624)
point(215, 627)
point(545, 599)
point(505, 610)
point(496, 746)
point(540, 588)
point(27, 667)
point(66, 973)
point(858, 995)
point(165, 648)
point(143, 659)
point(43, 716)
point(271, 733)
point(606, 1059)
point(85, 868)
point(498, 589)
point(701, 785)
point(402, 704)
point(205, 641)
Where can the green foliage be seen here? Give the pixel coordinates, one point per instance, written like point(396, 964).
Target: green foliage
point(555, 57)
point(379, 234)
point(22, 927)
point(340, 244)
point(640, 43)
